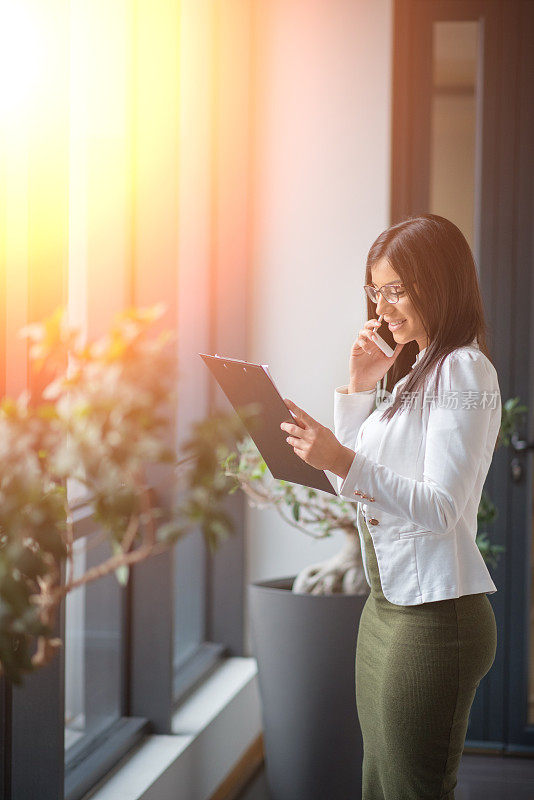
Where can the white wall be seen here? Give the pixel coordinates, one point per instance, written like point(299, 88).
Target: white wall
point(321, 196)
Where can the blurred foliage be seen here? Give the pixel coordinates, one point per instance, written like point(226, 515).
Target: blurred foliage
point(100, 420)
point(511, 412)
point(487, 513)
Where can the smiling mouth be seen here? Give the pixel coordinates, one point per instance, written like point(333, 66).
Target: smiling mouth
point(394, 325)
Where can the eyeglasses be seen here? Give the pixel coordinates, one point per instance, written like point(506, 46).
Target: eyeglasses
point(390, 293)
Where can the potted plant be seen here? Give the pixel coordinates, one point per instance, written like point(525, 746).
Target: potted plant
point(304, 631)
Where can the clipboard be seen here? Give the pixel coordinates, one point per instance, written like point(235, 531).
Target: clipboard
point(246, 383)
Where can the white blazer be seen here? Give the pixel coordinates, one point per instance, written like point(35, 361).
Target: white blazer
point(421, 478)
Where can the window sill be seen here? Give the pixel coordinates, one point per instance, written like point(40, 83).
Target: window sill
point(211, 731)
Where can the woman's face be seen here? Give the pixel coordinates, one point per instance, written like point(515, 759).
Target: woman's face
point(401, 311)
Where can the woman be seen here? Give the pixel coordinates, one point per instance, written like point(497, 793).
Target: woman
point(416, 465)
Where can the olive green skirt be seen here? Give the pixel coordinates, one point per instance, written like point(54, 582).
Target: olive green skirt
point(417, 671)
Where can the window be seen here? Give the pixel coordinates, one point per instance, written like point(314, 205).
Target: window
point(125, 182)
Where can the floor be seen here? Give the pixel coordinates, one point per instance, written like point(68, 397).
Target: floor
point(480, 777)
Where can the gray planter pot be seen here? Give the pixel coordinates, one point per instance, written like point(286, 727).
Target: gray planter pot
point(305, 646)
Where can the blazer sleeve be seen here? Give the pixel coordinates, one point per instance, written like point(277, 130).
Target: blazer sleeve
point(461, 437)
point(350, 410)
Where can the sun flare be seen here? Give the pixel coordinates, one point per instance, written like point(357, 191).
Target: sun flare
point(21, 55)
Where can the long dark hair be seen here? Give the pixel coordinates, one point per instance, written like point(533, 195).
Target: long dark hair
point(433, 253)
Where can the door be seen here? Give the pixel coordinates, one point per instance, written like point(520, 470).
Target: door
point(463, 124)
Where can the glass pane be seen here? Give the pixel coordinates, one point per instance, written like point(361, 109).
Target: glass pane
point(100, 207)
point(195, 317)
point(190, 596)
point(190, 584)
point(454, 123)
point(93, 646)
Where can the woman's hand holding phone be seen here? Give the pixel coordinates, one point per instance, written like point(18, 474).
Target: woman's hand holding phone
point(367, 363)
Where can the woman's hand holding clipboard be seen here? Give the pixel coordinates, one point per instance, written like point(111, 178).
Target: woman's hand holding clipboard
point(313, 442)
point(310, 447)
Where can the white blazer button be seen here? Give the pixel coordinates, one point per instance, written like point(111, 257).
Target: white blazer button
point(373, 521)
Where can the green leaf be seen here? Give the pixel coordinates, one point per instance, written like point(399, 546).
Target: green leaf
point(16, 593)
point(487, 511)
point(122, 573)
point(170, 532)
point(30, 564)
